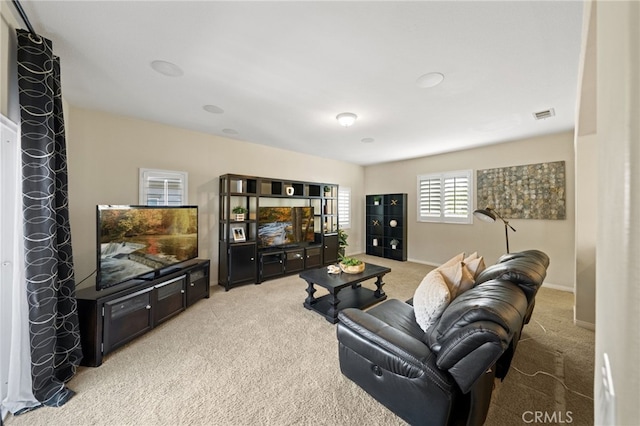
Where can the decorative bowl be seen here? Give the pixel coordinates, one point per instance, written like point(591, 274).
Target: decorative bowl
point(356, 269)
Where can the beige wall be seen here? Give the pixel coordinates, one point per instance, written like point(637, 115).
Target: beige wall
point(586, 177)
point(434, 243)
point(105, 152)
point(618, 247)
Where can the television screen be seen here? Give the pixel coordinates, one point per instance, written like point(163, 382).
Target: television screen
point(140, 241)
point(282, 226)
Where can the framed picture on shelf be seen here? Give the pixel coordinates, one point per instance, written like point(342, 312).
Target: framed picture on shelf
point(238, 235)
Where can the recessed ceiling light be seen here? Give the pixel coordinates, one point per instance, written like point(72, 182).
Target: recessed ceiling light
point(431, 79)
point(213, 109)
point(346, 118)
point(367, 140)
point(230, 131)
point(167, 68)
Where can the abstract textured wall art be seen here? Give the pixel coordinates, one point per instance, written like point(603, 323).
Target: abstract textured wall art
point(533, 191)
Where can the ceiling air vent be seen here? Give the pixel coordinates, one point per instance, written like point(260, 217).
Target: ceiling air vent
point(541, 115)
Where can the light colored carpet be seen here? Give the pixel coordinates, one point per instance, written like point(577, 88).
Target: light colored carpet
point(255, 356)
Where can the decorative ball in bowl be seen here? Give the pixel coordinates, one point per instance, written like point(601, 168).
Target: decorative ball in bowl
point(350, 265)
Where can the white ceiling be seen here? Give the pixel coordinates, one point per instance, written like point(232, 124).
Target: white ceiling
point(282, 71)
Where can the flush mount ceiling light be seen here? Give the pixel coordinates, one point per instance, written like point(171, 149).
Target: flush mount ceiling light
point(346, 119)
point(431, 79)
point(367, 140)
point(230, 131)
point(213, 109)
point(167, 68)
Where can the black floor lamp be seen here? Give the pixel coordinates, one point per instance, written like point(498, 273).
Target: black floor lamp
point(489, 215)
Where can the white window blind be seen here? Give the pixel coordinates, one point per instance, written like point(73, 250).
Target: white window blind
point(344, 207)
point(163, 187)
point(445, 197)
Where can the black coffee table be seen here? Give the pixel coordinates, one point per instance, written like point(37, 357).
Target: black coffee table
point(352, 294)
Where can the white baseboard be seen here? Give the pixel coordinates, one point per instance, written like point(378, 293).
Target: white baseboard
point(558, 287)
point(435, 265)
point(584, 324)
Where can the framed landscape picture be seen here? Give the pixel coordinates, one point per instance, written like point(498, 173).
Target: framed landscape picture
point(238, 235)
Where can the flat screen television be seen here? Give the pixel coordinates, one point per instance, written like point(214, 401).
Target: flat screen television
point(285, 226)
point(143, 241)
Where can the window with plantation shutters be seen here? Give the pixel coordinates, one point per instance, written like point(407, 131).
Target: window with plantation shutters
point(163, 187)
point(445, 197)
point(344, 207)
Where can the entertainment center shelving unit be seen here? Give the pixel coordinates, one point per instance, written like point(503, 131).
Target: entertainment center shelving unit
point(114, 316)
point(243, 262)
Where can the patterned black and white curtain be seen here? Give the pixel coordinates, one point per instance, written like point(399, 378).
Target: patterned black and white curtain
point(53, 321)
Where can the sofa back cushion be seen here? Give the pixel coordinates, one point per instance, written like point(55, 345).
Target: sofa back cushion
point(525, 271)
point(537, 255)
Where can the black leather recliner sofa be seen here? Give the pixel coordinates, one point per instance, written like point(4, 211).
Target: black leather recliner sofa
point(443, 376)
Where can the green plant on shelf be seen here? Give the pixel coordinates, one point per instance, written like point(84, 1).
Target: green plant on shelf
point(239, 210)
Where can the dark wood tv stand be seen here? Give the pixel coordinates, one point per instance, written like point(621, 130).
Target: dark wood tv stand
point(281, 261)
point(113, 317)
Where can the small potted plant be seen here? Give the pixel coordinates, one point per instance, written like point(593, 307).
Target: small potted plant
point(376, 200)
point(394, 243)
point(351, 265)
point(327, 191)
point(342, 242)
point(239, 211)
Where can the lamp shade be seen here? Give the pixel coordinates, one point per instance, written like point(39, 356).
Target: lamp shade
point(346, 118)
point(485, 215)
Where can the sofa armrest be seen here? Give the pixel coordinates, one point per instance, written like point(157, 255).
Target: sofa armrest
point(476, 328)
point(387, 347)
point(377, 332)
point(397, 369)
point(469, 352)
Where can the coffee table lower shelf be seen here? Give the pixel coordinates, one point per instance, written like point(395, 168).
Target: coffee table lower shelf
point(349, 297)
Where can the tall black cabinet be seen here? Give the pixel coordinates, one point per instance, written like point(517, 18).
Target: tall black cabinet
point(386, 231)
point(241, 260)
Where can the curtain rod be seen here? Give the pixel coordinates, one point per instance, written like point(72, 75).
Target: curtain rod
point(23, 15)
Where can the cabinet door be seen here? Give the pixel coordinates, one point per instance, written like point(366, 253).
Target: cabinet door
point(271, 265)
point(127, 318)
point(375, 225)
point(242, 263)
point(169, 299)
point(198, 284)
point(313, 257)
point(330, 251)
point(294, 261)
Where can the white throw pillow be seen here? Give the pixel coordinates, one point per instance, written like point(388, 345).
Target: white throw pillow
point(452, 261)
point(472, 256)
point(458, 278)
point(475, 266)
point(430, 299)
